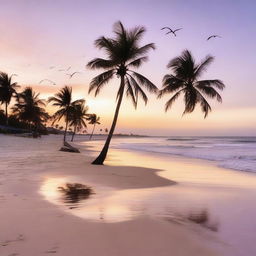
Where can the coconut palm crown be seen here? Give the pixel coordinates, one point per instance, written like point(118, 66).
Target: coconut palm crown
point(63, 100)
point(7, 91)
point(185, 80)
point(30, 108)
point(78, 117)
point(123, 53)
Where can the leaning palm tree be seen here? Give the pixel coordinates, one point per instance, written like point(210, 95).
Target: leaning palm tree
point(93, 119)
point(7, 91)
point(123, 53)
point(30, 109)
point(63, 100)
point(185, 80)
point(78, 116)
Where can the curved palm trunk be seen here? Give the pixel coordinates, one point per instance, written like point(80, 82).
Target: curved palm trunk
point(6, 113)
point(73, 135)
point(65, 132)
point(92, 131)
point(102, 156)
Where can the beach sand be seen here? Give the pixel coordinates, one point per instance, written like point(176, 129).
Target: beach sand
point(33, 222)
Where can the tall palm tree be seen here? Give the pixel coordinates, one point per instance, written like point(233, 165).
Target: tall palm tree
point(123, 53)
point(93, 119)
point(30, 109)
point(7, 91)
point(185, 80)
point(63, 100)
point(78, 116)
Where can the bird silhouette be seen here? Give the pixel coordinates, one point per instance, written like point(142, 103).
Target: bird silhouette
point(212, 36)
point(48, 80)
point(171, 31)
point(71, 75)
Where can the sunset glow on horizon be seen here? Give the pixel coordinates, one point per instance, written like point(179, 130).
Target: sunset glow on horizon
point(40, 39)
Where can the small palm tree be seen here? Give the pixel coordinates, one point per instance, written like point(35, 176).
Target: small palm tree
point(30, 109)
point(123, 53)
point(7, 91)
point(63, 100)
point(77, 117)
point(185, 79)
point(93, 119)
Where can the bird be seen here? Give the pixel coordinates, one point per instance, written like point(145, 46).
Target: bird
point(48, 81)
point(71, 75)
point(212, 36)
point(171, 31)
point(51, 67)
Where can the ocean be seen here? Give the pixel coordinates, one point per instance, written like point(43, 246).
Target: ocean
point(238, 153)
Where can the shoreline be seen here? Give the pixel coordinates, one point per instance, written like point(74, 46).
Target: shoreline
point(20, 191)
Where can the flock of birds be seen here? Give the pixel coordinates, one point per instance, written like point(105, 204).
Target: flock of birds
point(167, 29)
point(61, 70)
point(173, 31)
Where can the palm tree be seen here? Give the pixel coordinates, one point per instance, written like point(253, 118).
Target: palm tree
point(123, 52)
point(185, 79)
point(7, 90)
point(93, 119)
point(63, 100)
point(78, 116)
point(30, 109)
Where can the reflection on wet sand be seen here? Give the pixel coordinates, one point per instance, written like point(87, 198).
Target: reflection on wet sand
point(109, 205)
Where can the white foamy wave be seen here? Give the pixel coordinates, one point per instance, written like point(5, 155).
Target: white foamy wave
point(237, 153)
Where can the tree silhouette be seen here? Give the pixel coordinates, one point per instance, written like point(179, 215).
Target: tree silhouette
point(123, 53)
point(184, 80)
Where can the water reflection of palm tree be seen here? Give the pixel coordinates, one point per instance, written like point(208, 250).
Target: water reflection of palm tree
point(123, 53)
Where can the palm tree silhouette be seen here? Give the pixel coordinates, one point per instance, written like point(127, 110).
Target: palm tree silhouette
point(185, 80)
point(78, 116)
point(123, 52)
point(7, 90)
point(30, 109)
point(93, 119)
point(63, 100)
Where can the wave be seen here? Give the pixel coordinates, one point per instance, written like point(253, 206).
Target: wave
point(227, 154)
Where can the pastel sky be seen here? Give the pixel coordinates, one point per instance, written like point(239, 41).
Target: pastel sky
point(37, 35)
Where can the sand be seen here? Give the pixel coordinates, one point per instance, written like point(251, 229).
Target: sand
point(30, 225)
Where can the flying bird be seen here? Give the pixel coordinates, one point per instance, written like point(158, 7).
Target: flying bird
point(71, 75)
point(171, 31)
point(212, 36)
point(48, 80)
point(51, 67)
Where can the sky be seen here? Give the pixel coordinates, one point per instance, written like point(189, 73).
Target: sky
point(41, 34)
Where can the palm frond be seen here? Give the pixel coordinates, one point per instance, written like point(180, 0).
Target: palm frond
point(145, 82)
point(137, 62)
point(169, 103)
point(203, 66)
point(98, 63)
point(210, 92)
point(99, 81)
point(214, 83)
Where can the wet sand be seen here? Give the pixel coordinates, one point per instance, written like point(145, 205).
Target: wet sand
point(117, 220)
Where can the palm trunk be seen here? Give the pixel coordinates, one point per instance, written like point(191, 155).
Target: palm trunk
point(73, 135)
point(6, 113)
point(92, 131)
point(65, 132)
point(102, 156)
